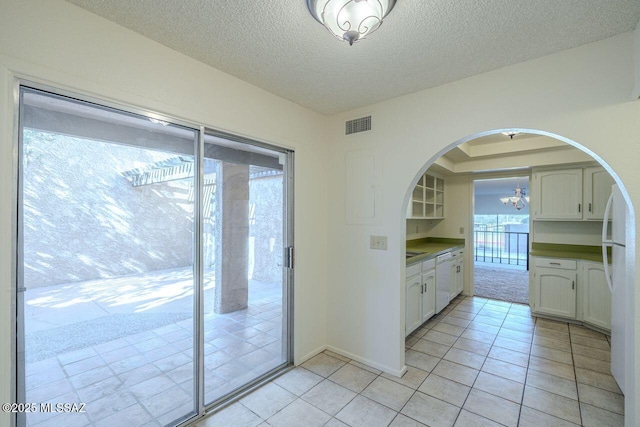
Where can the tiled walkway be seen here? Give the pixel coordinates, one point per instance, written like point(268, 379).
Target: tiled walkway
point(479, 363)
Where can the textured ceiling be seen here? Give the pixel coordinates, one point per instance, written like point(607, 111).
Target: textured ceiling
point(278, 46)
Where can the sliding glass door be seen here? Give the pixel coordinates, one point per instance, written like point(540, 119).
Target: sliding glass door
point(152, 280)
point(244, 235)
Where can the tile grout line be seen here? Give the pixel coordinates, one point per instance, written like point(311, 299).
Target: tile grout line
point(575, 374)
point(480, 371)
point(474, 381)
point(529, 355)
point(416, 390)
point(526, 376)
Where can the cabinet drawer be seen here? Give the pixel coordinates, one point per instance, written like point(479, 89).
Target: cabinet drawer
point(414, 269)
point(565, 264)
point(429, 264)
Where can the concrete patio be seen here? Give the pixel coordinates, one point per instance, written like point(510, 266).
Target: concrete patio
point(124, 347)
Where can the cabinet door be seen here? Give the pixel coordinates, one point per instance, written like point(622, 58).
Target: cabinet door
point(555, 292)
point(557, 194)
point(453, 279)
point(460, 278)
point(429, 295)
point(596, 297)
point(413, 305)
point(597, 189)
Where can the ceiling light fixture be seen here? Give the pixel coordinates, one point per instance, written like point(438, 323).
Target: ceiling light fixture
point(350, 20)
point(518, 201)
point(510, 134)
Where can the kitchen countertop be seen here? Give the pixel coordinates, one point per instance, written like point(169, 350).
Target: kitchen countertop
point(431, 247)
point(552, 250)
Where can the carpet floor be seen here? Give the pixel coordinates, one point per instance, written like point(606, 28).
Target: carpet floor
point(506, 284)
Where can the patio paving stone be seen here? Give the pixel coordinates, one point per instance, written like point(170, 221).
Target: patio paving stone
point(146, 378)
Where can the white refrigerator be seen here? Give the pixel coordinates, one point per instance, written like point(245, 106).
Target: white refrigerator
point(614, 238)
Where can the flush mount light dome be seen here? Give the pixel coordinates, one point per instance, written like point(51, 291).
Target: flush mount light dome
point(350, 20)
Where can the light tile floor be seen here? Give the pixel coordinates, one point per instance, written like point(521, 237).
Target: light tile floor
point(478, 363)
point(146, 379)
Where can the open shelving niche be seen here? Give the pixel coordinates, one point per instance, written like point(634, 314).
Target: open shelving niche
point(427, 199)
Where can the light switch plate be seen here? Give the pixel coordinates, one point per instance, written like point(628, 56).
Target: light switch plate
point(461, 230)
point(378, 242)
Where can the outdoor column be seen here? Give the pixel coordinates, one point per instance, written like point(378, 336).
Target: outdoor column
point(232, 238)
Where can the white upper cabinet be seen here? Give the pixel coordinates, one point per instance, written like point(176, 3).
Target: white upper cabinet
point(427, 199)
point(557, 194)
point(597, 189)
point(570, 194)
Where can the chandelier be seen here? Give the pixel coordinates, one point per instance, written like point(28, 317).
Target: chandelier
point(519, 200)
point(350, 20)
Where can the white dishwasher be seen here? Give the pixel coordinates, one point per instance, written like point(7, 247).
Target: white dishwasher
point(443, 280)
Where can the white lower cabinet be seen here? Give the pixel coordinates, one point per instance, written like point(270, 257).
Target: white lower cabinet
point(420, 294)
point(428, 295)
point(555, 292)
point(596, 297)
point(457, 273)
point(413, 307)
point(571, 289)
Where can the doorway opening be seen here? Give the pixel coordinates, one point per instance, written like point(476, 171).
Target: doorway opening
point(501, 238)
point(475, 333)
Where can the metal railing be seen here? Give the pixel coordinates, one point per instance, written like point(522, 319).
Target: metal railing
point(501, 247)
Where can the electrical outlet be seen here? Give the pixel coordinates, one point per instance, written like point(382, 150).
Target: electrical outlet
point(461, 230)
point(378, 242)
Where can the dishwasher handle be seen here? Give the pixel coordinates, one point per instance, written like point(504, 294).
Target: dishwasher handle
point(443, 258)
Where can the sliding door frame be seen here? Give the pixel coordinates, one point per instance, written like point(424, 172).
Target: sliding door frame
point(17, 294)
point(288, 265)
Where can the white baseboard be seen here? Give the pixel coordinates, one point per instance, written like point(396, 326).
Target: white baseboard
point(392, 371)
point(395, 372)
point(309, 355)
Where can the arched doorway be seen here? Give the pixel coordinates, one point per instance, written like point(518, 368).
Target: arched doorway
point(454, 346)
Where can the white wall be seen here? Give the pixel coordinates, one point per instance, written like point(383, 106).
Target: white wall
point(59, 44)
point(581, 94)
point(636, 53)
point(568, 232)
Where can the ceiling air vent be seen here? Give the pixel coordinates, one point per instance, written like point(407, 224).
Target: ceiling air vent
point(362, 124)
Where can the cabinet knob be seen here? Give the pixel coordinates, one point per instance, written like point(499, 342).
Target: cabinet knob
point(579, 207)
point(589, 207)
point(573, 284)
